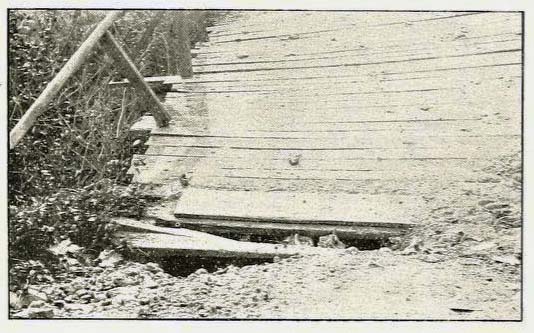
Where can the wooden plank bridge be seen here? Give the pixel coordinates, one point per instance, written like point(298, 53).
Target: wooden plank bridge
point(294, 116)
point(317, 122)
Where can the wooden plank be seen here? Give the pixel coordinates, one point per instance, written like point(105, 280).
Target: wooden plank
point(279, 229)
point(336, 209)
point(162, 169)
point(166, 79)
point(164, 211)
point(161, 241)
point(170, 245)
point(406, 186)
point(157, 86)
point(373, 34)
point(378, 153)
point(431, 24)
point(414, 64)
point(251, 79)
point(147, 225)
point(144, 124)
point(52, 88)
point(266, 162)
point(353, 141)
point(132, 74)
point(438, 51)
point(125, 82)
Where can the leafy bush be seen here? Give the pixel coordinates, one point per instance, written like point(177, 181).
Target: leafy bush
point(81, 215)
point(73, 141)
point(79, 140)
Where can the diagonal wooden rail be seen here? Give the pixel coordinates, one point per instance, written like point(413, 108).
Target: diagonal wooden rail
point(125, 64)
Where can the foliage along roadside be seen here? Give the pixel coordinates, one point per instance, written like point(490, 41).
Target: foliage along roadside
point(79, 141)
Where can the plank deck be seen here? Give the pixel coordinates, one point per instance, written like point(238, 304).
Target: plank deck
point(377, 105)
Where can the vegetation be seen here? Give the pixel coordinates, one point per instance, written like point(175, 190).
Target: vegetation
point(67, 177)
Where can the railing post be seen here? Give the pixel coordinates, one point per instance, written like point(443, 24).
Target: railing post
point(129, 70)
point(72, 65)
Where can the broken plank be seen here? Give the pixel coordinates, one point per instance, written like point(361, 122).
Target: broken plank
point(180, 241)
point(169, 245)
point(148, 225)
point(168, 242)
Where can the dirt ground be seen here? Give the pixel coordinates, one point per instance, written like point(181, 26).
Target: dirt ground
point(463, 263)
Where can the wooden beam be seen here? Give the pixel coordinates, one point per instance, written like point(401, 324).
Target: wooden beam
point(156, 86)
point(161, 241)
point(337, 209)
point(129, 70)
point(163, 211)
point(163, 245)
point(72, 65)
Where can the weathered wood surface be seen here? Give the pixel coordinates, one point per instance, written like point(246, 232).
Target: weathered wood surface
point(161, 241)
point(299, 207)
point(165, 212)
point(389, 104)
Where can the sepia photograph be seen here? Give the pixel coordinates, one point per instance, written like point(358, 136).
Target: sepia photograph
point(238, 164)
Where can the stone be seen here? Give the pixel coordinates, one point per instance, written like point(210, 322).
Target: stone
point(331, 241)
point(121, 291)
point(373, 264)
point(150, 284)
point(201, 271)
point(109, 258)
point(15, 301)
point(98, 270)
point(153, 267)
point(352, 250)
point(81, 292)
point(65, 247)
point(124, 281)
point(33, 295)
point(123, 299)
point(480, 248)
point(432, 258)
point(408, 251)
point(297, 239)
point(100, 296)
point(510, 260)
point(385, 250)
point(44, 312)
point(36, 304)
point(59, 303)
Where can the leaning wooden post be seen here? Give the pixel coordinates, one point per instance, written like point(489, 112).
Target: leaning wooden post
point(74, 63)
point(129, 70)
